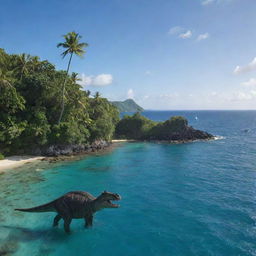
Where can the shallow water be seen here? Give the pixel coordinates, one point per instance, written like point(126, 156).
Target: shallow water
point(187, 199)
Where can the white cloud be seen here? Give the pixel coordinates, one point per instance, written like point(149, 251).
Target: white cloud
point(235, 99)
point(243, 69)
point(85, 80)
point(243, 96)
point(175, 30)
point(130, 94)
point(207, 2)
point(250, 83)
point(102, 80)
point(99, 80)
point(203, 37)
point(186, 35)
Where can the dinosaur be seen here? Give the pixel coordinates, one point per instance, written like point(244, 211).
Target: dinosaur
point(76, 205)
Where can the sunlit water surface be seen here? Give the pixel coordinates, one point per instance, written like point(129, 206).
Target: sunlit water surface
point(187, 199)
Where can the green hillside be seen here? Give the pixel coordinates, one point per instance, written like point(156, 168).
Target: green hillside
point(128, 105)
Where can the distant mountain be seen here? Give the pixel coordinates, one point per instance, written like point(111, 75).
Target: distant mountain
point(128, 105)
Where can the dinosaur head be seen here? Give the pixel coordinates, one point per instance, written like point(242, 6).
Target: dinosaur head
point(105, 198)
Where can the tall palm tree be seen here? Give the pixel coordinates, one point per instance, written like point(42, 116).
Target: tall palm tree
point(72, 46)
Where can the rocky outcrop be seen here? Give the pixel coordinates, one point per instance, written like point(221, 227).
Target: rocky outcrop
point(72, 149)
point(186, 134)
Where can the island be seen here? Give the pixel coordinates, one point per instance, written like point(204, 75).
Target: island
point(128, 105)
point(176, 129)
point(45, 112)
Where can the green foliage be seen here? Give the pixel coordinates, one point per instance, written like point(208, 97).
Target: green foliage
point(141, 128)
point(69, 133)
point(134, 127)
point(72, 45)
point(163, 130)
point(104, 118)
point(128, 105)
point(1, 156)
point(30, 100)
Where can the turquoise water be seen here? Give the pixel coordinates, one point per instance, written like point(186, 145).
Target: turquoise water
point(187, 199)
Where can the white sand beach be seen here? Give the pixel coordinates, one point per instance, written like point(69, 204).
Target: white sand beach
point(16, 161)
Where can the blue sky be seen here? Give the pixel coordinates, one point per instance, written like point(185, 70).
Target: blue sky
point(166, 54)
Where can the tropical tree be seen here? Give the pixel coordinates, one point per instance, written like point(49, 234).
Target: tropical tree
point(87, 93)
point(22, 65)
point(75, 77)
point(72, 46)
point(97, 95)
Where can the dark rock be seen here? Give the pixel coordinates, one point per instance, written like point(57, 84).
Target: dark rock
point(73, 149)
point(185, 135)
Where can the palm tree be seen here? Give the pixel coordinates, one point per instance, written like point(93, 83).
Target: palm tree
point(72, 46)
point(75, 77)
point(35, 63)
point(87, 93)
point(97, 95)
point(23, 61)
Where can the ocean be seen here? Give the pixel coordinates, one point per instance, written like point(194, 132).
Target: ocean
point(177, 199)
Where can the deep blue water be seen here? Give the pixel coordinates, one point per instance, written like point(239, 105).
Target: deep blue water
point(187, 199)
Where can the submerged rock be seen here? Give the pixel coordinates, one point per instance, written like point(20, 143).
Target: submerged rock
point(9, 247)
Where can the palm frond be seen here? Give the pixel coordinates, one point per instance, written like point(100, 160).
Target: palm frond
point(72, 44)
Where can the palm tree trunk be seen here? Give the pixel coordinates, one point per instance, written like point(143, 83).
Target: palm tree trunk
point(63, 89)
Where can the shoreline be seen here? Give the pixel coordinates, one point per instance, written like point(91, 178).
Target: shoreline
point(17, 161)
point(13, 162)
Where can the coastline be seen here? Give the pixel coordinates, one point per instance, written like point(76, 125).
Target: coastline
point(17, 161)
point(13, 162)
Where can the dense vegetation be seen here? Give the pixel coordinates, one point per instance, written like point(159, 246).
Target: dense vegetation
point(128, 105)
point(30, 106)
point(141, 128)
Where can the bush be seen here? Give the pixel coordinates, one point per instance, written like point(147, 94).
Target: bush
point(134, 127)
point(1, 156)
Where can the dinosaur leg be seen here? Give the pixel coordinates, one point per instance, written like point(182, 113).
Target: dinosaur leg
point(88, 221)
point(56, 220)
point(67, 222)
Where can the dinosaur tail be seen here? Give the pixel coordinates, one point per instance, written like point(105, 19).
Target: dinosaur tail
point(49, 207)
